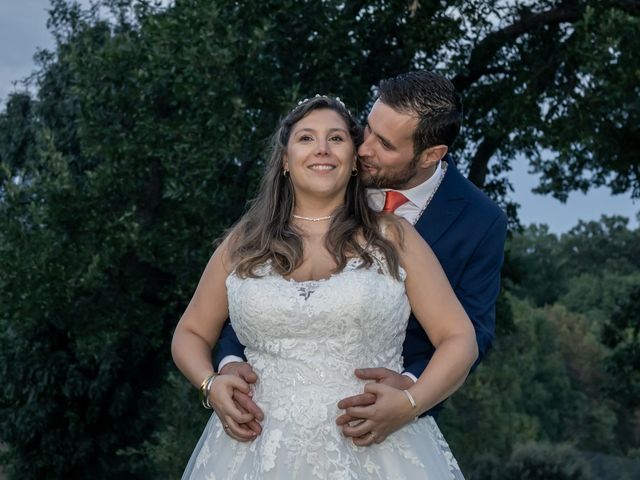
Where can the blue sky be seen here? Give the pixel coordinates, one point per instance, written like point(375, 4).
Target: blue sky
point(23, 31)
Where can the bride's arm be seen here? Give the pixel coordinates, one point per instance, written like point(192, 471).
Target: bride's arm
point(196, 334)
point(450, 331)
point(201, 323)
point(447, 325)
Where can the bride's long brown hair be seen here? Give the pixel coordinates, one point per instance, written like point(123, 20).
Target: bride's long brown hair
point(265, 232)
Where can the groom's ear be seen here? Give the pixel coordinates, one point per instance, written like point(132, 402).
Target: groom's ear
point(432, 155)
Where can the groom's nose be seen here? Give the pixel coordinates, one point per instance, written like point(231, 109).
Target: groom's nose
point(366, 148)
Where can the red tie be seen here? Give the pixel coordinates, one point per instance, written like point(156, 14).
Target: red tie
point(393, 200)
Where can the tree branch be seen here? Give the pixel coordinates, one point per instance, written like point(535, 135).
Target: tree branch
point(536, 86)
point(566, 12)
point(479, 164)
point(486, 49)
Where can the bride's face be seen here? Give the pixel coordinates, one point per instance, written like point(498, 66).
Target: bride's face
point(320, 154)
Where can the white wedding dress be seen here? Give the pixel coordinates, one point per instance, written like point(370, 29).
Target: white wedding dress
point(304, 340)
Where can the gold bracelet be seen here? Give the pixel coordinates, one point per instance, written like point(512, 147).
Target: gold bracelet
point(205, 388)
point(410, 397)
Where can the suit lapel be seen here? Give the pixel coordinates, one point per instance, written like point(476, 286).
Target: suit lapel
point(447, 203)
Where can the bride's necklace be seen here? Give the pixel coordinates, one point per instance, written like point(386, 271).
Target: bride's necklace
point(312, 219)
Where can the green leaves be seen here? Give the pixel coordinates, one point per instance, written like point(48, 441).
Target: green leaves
point(565, 370)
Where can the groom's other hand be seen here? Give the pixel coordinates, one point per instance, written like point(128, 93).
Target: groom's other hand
point(376, 375)
point(243, 401)
point(391, 411)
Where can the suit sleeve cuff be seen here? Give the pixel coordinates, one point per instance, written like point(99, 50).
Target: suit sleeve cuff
point(229, 359)
point(411, 376)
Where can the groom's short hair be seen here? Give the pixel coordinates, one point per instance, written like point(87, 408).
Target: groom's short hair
point(432, 99)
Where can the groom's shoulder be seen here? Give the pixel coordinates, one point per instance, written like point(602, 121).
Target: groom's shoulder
point(478, 201)
point(481, 202)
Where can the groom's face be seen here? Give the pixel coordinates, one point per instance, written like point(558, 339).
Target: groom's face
point(387, 159)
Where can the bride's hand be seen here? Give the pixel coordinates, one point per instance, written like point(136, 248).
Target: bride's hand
point(390, 412)
point(245, 402)
point(233, 419)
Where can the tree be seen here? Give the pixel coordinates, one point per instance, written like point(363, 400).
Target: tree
point(605, 245)
point(622, 335)
point(588, 268)
point(566, 63)
point(540, 383)
point(533, 461)
point(536, 265)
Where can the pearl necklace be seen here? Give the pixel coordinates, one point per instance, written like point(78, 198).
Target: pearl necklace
point(312, 219)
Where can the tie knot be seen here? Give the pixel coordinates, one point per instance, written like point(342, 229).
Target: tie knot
point(393, 200)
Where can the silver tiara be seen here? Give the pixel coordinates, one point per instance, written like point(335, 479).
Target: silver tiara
point(337, 99)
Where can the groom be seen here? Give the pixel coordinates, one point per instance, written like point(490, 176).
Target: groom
point(405, 164)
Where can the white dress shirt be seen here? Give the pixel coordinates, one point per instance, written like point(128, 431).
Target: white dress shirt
point(418, 197)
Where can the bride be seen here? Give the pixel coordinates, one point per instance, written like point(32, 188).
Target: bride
point(315, 283)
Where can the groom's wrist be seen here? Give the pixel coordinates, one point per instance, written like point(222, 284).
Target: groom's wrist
point(411, 376)
point(229, 359)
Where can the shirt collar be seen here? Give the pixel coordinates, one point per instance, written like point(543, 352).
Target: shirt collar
point(417, 195)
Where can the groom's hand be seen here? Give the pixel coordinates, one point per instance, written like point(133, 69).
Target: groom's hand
point(243, 401)
point(391, 411)
point(376, 375)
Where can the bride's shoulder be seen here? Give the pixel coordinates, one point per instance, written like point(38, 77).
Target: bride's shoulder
point(239, 258)
point(405, 238)
point(226, 250)
point(396, 230)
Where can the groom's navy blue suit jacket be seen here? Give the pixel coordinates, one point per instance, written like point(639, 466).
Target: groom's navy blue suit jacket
point(467, 232)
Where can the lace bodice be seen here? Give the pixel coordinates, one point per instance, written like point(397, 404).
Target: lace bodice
point(320, 329)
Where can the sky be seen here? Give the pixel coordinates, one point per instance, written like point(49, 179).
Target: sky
point(23, 30)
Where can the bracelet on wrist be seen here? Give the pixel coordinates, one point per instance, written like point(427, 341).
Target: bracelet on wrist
point(414, 405)
point(205, 389)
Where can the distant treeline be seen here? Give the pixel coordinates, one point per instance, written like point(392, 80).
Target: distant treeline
point(565, 367)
